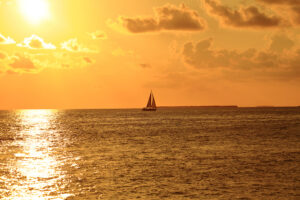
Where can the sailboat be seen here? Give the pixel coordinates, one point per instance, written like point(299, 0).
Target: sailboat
point(151, 105)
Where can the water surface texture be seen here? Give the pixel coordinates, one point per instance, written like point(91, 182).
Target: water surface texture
point(199, 153)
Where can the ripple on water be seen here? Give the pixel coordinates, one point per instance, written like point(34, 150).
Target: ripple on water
point(170, 154)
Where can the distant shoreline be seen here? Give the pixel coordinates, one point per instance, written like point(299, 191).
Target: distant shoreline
point(213, 106)
point(228, 106)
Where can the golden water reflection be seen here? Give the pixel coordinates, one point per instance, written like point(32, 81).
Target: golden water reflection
point(36, 168)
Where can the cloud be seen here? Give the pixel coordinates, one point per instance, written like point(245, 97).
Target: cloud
point(168, 18)
point(2, 55)
point(296, 10)
point(35, 42)
point(144, 65)
point(6, 40)
point(11, 72)
point(73, 46)
point(88, 60)
point(23, 63)
point(294, 6)
point(18, 63)
point(98, 35)
point(280, 43)
point(251, 63)
point(286, 2)
point(69, 60)
point(121, 52)
point(244, 17)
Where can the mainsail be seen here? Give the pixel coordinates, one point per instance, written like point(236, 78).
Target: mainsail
point(153, 102)
point(149, 101)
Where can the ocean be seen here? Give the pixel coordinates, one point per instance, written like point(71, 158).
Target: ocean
point(174, 153)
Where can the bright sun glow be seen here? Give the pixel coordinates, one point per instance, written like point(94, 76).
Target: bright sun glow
point(35, 10)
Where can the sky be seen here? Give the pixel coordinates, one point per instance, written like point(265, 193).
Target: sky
point(110, 53)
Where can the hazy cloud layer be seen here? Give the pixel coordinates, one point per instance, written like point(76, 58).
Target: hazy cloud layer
point(276, 62)
point(74, 46)
point(35, 42)
point(121, 52)
point(168, 17)
point(244, 17)
point(98, 35)
point(6, 40)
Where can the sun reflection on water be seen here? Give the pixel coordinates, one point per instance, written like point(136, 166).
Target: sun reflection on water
point(36, 169)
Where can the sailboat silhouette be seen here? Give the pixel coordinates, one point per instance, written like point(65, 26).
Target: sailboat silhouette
point(151, 105)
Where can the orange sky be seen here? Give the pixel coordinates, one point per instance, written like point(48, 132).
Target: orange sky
point(111, 53)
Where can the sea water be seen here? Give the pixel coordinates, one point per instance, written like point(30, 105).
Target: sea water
point(174, 153)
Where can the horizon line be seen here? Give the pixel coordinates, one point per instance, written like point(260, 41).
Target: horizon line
point(180, 106)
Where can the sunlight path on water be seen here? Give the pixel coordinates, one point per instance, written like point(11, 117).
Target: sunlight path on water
point(35, 167)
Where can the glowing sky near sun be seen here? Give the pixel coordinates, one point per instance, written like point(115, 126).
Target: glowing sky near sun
point(34, 10)
point(111, 53)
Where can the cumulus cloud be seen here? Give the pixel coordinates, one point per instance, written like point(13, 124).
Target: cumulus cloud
point(35, 42)
point(294, 6)
point(280, 43)
point(6, 40)
point(168, 18)
point(287, 2)
point(244, 17)
point(265, 63)
point(74, 46)
point(98, 35)
point(22, 63)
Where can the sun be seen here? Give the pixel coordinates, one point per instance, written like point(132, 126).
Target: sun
point(35, 10)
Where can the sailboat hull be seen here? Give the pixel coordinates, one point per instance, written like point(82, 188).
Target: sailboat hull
point(149, 109)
